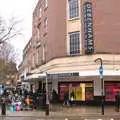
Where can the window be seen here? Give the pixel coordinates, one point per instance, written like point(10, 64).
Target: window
point(38, 55)
point(74, 43)
point(38, 32)
point(33, 60)
point(73, 8)
point(40, 14)
point(46, 3)
point(45, 25)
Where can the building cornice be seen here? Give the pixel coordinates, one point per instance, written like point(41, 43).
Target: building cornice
point(79, 63)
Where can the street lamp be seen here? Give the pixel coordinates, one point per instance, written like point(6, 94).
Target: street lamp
point(47, 99)
point(46, 80)
point(102, 83)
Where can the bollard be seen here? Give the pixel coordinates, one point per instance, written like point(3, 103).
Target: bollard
point(47, 109)
point(3, 109)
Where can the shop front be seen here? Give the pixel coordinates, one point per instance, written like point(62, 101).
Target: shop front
point(112, 88)
point(84, 91)
point(79, 91)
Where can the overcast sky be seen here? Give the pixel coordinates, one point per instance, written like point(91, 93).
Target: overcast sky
point(22, 10)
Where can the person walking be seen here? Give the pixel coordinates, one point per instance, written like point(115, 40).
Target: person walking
point(72, 97)
point(66, 98)
point(117, 101)
point(27, 101)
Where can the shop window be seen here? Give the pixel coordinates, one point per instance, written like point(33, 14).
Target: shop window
point(77, 91)
point(111, 90)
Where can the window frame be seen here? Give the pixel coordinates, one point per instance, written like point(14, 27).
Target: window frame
point(74, 42)
point(45, 26)
point(40, 12)
point(73, 6)
point(46, 3)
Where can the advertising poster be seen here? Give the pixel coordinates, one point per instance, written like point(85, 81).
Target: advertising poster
point(63, 89)
point(89, 91)
point(72, 95)
point(109, 94)
point(82, 85)
point(79, 93)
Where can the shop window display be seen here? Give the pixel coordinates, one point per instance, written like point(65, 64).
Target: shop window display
point(89, 91)
point(77, 91)
point(63, 88)
point(111, 90)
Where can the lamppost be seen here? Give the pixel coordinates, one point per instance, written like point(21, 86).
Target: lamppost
point(47, 98)
point(102, 84)
point(46, 79)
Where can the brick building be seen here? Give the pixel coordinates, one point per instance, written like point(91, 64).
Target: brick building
point(67, 37)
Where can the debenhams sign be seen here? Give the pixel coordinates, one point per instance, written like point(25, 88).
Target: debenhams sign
point(88, 28)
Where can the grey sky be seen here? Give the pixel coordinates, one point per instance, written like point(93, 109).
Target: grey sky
point(21, 9)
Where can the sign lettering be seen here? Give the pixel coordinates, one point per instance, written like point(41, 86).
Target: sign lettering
point(88, 28)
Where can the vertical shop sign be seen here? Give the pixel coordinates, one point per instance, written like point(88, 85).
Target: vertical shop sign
point(88, 27)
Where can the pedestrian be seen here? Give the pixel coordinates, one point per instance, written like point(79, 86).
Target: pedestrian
point(27, 101)
point(66, 98)
point(54, 96)
point(117, 101)
point(18, 107)
point(72, 97)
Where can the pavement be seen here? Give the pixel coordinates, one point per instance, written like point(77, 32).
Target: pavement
point(59, 112)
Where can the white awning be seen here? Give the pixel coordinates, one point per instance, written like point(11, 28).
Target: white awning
point(35, 76)
point(96, 73)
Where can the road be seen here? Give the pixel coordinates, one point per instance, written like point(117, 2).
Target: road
point(65, 113)
point(56, 118)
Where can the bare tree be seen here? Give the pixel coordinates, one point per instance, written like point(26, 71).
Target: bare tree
point(8, 30)
point(8, 58)
point(7, 52)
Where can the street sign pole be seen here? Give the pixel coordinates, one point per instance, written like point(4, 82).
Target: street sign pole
point(102, 99)
point(102, 88)
point(102, 85)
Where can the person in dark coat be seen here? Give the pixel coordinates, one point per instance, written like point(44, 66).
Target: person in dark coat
point(54, 96)
point(117, 101)
point(66, 98)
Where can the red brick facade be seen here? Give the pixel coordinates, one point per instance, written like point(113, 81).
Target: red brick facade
point(50, 44)
point(106, 26)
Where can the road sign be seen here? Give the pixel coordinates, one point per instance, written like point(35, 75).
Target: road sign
point(101, 71)
point(1, 91)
